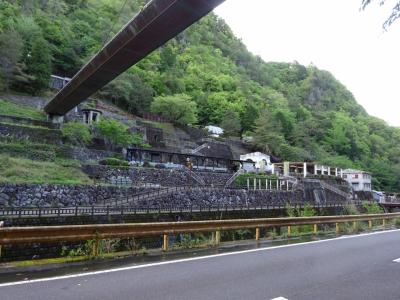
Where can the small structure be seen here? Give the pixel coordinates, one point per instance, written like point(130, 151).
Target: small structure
point(359, 180)
point(257, 162)
point(306, 169)
point(91, 115)
point(58, 82)
point(176, 160)
point(215, 131)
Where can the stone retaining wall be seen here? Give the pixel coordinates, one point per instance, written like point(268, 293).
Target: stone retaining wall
point(51, 195)
point(163, 177)
point(34, 134)
point(27, 121)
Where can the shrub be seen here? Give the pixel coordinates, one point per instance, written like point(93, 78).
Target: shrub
point(76, 133)
point(241, 180)
point(372, 208)
point(115, 162)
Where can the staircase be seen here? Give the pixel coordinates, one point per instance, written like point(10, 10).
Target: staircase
point(193, 175)
point(199, 148)
point(234, 176)
point(330, 187)
point(131, 199)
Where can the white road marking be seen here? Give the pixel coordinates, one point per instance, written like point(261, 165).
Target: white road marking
point(280, 298)
point(396, 260)
point(190, 259)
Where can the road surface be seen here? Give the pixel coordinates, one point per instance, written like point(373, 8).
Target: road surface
point(356, 267)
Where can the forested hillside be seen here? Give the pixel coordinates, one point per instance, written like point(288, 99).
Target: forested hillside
point(292, 111)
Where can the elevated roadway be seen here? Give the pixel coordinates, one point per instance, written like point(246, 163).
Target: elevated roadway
point(154, 25)
point(357, 267)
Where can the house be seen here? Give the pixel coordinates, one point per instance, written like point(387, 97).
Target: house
point(359, 180)
point(257, 161)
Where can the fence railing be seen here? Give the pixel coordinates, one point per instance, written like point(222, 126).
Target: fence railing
point(51, 234)
point(35, 212)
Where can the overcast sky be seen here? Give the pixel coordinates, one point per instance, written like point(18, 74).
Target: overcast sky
point(332, 34)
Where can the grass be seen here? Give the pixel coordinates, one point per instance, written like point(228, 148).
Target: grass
point(21, 170)
point(11, 109)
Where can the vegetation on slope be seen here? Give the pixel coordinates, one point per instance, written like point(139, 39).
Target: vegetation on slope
point(20, 170)
point(11, 109)
point(295, 112)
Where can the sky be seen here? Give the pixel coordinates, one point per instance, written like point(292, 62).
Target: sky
point(334, 35)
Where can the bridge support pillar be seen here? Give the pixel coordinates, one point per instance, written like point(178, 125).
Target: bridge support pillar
point(165, 242)
point(55, 119)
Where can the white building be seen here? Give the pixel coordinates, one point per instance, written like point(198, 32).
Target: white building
point(257, 161)
point(359, 180)
point(215, 131)
point(306, 169)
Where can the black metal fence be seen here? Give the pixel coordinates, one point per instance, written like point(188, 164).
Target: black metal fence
point(23, 212)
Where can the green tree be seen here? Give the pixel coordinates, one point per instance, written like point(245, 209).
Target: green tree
point(11, 45)
point(38, 65)
point(77, 133)
point(114, 133)
point(231, 123)
point(178, 108)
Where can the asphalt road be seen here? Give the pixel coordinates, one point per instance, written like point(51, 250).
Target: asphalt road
point(361, 267)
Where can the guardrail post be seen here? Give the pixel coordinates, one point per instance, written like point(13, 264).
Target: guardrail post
point(370, 224)
point(95, 247)
point(217, 237)
point(1, 246)
point(337, 228)
point(354, 225)
point(257, 234)
point(289, 230)
point(315, 230)
point(165, 242)
point(384, 223)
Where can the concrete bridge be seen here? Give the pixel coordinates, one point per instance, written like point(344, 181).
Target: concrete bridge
point(154, 25)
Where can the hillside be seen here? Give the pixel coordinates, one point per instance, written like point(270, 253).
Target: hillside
point(294, 112)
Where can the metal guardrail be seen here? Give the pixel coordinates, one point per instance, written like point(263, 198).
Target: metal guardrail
point(51, 234)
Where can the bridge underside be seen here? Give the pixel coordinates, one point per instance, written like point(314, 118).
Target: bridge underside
point(158, 22)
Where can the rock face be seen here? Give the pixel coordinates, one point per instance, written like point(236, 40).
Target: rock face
point(50, 195)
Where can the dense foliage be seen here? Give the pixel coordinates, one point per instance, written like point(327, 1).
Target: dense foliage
point(179, 108)
point(77, 133)
point(115, 133)
point(295, 112)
